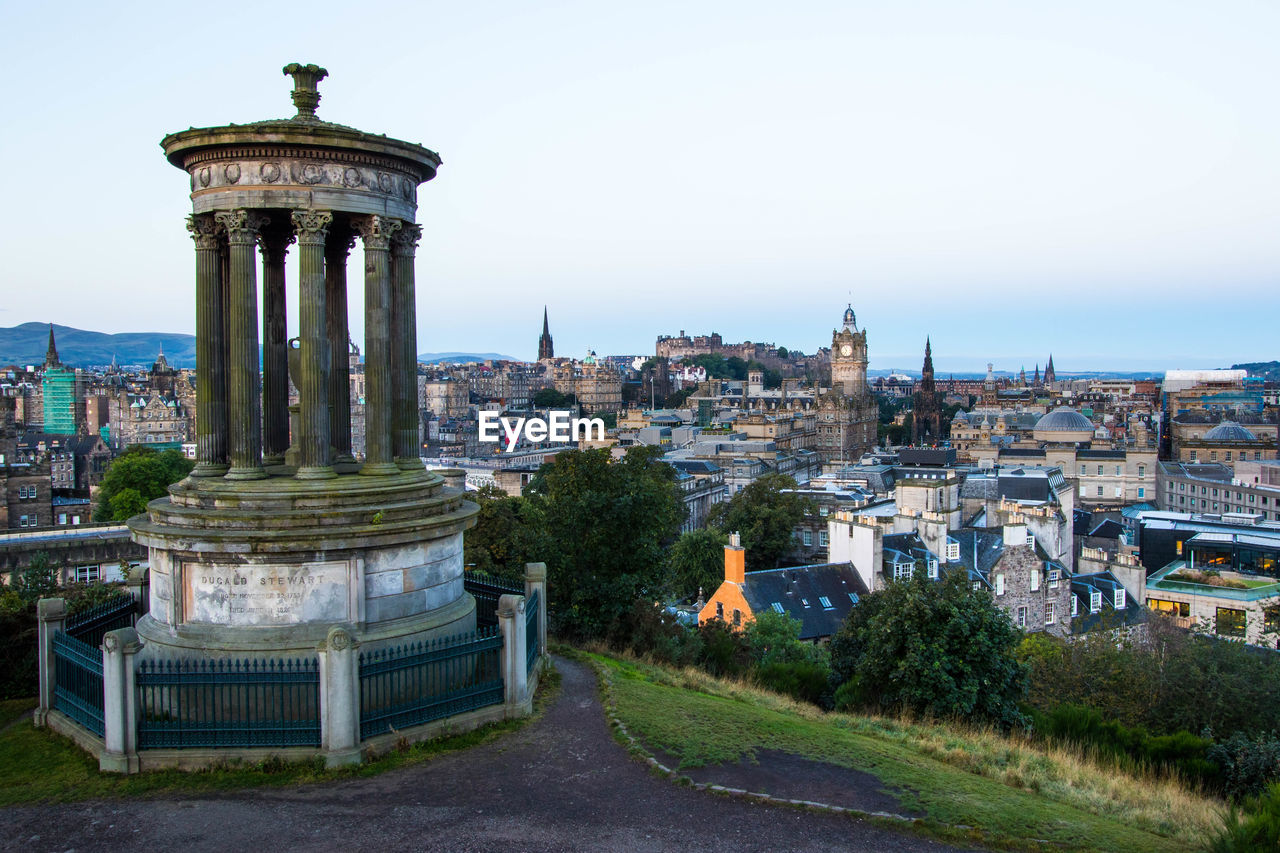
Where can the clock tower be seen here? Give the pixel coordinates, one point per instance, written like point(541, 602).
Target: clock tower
point(849, 357)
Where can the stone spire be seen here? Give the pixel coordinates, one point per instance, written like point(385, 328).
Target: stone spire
point(545, 348)
point(51, 354)
point(926, 423)
point(1035, 380)
point(1049, 376)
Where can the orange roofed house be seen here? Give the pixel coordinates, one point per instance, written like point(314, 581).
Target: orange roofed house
point(819, 597)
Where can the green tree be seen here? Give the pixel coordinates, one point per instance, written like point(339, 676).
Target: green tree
point(506, 536)
point(40, 578)
point(782, 352)
point(550, 398)
point(679, 398)
point(697, 562)
point(736, 367)
point(713, 363)
point(766, 515)
point(934, 647)
point(607, 526)
point(138, 475)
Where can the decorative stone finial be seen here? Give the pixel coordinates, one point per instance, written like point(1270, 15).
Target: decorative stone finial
point(306, 95)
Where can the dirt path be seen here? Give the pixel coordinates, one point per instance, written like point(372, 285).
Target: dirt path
point(561, 783)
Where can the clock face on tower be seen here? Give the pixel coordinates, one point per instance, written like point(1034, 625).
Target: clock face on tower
point(846, 350)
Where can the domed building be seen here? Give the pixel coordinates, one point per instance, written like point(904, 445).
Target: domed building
point(1228, 441)
point(1064, 425)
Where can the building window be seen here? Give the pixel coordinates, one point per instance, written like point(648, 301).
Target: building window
point(1142, 493)
point(1099, 470)
point(720, 610)
point(1075, 605)
point(1022, 617)
point(1213, 456)
point(807, 536)
point(1083, 469)
point(953, 551)
point(825, 602)
point(822, 538)
point(88, 574)
point(777, 607)
point(1142, 471)
point(1117, 470)
point(1118, 600)
point(737, 616)
point(999, 584)
point(1084, 490)
point(1095, 601)
point(1054, 575)
point(1099, 491)
point(1174, 608)
point(1050, 613)
point(1035, 580)
point(1193, 456)
point(1229, 622)
point(933, 570)
point(1228, 455)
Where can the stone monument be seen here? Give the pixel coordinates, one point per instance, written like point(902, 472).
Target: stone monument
point(279, 535)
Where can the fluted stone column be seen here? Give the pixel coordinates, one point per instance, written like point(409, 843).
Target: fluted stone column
point(314, 463)
point(211, 400)
point(376, 232)
point(404, 349)
point(275, 348)
point(338, 246)
point(243, 394)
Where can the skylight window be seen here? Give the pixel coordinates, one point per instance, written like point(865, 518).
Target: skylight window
point(825, 602)
point(777, 605)
point(805, 602)
point(853, 597)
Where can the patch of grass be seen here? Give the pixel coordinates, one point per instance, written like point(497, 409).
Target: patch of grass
point(37, 765)
point(12, 709)
point(1013, 793)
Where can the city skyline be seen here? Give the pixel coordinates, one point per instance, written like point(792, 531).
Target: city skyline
point(1092, 182)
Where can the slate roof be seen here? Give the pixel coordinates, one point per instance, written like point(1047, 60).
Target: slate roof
point(800, 591)
point(1082, 588)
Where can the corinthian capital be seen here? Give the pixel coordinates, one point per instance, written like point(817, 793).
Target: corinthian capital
point(312, 226)
point(242, 226)
point(204, 231)
point(405, 242)
point(376, 231)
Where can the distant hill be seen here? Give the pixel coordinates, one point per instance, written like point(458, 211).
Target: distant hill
point(1265, 369)
point(462, 357)
point(26, 344)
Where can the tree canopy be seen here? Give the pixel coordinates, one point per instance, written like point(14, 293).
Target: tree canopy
point(766, 516)
point(697, 562)
point(139, 475)
point(934, 647)
point(550, 398)
point(607, 526)
point(506, 536)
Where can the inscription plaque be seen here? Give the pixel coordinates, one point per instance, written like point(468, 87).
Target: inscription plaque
point(267, 595)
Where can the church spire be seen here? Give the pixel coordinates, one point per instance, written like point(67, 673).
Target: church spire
point(545, 348)
point(51, 355)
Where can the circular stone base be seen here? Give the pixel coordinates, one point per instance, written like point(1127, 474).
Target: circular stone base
point(256, 568)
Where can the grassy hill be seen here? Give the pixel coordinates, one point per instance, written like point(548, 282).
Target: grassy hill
point(973, 786)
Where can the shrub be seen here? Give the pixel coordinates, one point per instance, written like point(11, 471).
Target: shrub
point(1258, 830)
point(1248, 764)
point(723, 650)
point(803, 680)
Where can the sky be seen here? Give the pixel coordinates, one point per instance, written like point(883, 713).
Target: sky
point(1098, 180)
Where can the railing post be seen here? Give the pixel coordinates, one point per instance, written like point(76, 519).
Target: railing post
point(136, 581)
point(52, 613)
point(535, 579)
point(119, 702)
point(339, 699)
point(515, 680)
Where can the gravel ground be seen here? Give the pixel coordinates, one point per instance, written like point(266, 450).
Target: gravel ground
point(561, 783)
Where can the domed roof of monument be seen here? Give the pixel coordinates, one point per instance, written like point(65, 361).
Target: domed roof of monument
point(1229, 431)
point(1064, 424)
point(303, 129)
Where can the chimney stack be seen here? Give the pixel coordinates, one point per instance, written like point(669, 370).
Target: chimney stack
point(735, 561)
